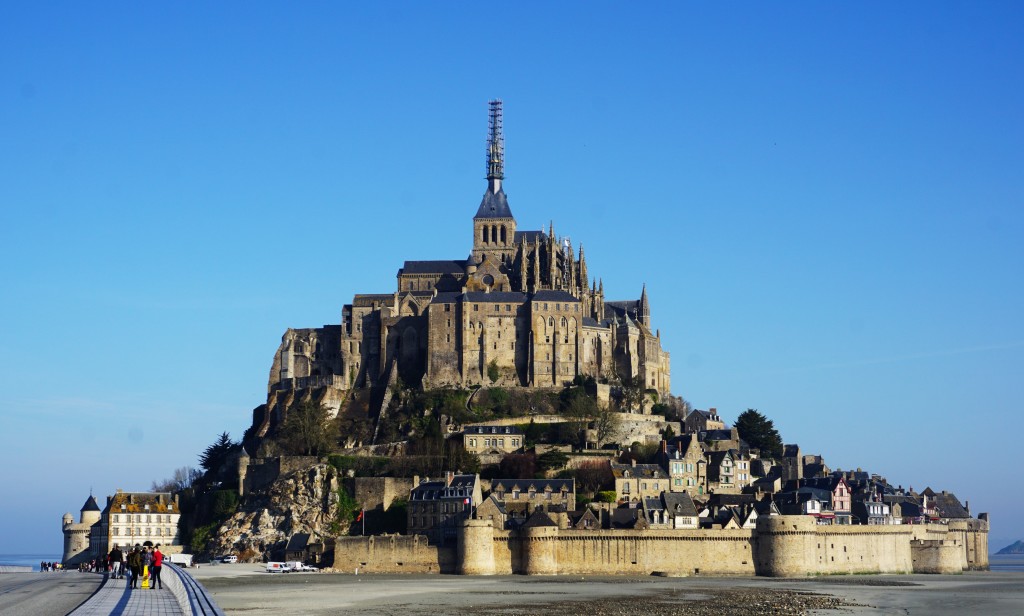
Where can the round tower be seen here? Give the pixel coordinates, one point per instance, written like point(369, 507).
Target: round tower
point(90, 512)
point(538, 545)
point(786, 546)
point(476, 548)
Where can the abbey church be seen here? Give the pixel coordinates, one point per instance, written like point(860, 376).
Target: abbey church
point(520, 311)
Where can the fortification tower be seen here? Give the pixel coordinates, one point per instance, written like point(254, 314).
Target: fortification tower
point(76, 536)
point(538, 546)
point(786, 546)
point(494, 227)
point(476, 547)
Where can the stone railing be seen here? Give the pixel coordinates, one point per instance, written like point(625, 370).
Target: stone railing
point(190, 594)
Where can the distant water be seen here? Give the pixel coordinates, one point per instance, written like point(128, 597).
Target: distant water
point(28, 560)
point(1006, 562)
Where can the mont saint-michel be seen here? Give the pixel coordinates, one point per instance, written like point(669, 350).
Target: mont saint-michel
point(521, 310)
point(496, 414)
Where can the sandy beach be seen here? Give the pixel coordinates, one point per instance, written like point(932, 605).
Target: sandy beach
point(246, 589)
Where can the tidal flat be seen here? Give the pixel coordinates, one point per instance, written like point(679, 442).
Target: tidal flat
point(245, 589)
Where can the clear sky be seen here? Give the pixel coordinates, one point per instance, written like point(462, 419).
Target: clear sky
point(824, 199)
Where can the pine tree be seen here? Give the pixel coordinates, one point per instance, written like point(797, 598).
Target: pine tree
point(759, 432)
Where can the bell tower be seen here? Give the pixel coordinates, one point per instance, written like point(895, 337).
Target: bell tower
point(494, 228)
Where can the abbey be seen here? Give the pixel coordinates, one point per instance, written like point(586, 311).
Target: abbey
point(520, 311)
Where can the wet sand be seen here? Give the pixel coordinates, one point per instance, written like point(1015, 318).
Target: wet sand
point(245, 589)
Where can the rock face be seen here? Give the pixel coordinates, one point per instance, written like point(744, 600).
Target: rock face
point(1015, 548)
point(304, 500)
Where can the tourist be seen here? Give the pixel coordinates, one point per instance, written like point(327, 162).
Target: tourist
point(147, 565)
point(135, 566)
point(115, 562)
point(158, 562)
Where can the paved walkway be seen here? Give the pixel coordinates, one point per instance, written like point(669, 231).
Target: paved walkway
point(116, 599)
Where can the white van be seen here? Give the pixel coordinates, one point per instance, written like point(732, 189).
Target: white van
point(231, 559)
point(274, 567)
point(183, 560)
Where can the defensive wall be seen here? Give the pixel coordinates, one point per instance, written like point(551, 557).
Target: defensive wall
point(780, 546)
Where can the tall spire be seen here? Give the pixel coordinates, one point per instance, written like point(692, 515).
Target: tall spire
point(495, 147)
point(645, 308)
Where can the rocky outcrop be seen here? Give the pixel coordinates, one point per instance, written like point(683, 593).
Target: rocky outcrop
point(304, 500)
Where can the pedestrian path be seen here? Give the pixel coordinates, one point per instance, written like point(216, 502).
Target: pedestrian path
point(116, 599)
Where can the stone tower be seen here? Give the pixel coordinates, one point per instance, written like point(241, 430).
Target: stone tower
point(494, 227)
point(76, 536)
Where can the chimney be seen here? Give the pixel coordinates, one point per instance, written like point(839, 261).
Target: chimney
point(633, 462)
point(448, 476)
point(415, 480)
point(664, 447)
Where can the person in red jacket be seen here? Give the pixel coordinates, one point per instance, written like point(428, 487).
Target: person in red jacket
point(158, 563)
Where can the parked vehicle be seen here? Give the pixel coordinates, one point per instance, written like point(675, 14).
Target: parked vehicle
point(230, 559)
point(275, 567)
point(183, 560)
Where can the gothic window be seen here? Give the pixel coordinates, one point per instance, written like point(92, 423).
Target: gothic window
point(486, 234)
point(472, 325)
point(564, 322)
point(503, 240)
point(551, 322)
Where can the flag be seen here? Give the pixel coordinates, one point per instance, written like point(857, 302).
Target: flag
point(360, 516)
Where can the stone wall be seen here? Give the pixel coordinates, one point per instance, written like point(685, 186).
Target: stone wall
point(392, 554)
point(781, 546)
point(380, 492)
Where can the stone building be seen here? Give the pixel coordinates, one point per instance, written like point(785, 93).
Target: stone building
point(437, 507)
point(636, 481)
point(492, 439)
point(128, 518)
point(521, 310)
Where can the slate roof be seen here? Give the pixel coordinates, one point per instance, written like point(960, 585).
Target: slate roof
point(494, 205)
point(446, 297)
point(554, 296)
point(433, 267)
point(731, 499)
point(591, 322)
point(679, 503)
point(625, 517)
point(948, 505)
point(492, 430)
point(298, 542)
point(644, 471)
point(135, 502)
point(538, 518)
point(511, 297)
point(539, 485)
point(530, 236)
point(90, 504)
point(436, 489)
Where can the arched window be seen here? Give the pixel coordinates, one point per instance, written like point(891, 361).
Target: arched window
point(551, 322)
point(503, 240)
point(486, 233)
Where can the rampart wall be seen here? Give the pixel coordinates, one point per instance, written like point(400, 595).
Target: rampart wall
point(780, 546)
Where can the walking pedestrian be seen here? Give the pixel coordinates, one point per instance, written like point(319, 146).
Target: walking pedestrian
point(158, 563)
point(135, 566)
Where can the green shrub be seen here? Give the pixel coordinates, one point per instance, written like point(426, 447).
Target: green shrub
point(605, 496)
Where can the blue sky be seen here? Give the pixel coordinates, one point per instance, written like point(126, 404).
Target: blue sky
point(823, 199)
